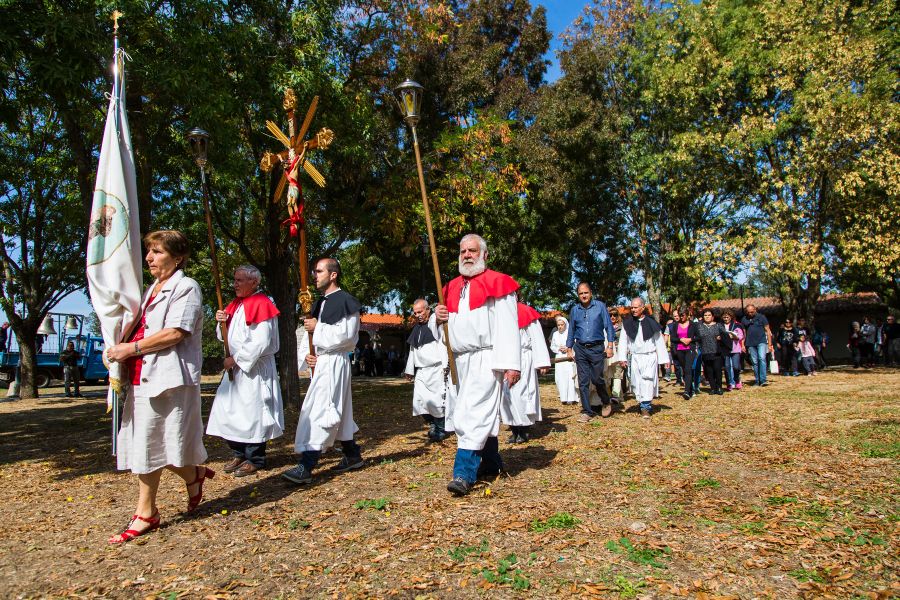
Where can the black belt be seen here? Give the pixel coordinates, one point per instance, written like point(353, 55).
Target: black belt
point(592, 344)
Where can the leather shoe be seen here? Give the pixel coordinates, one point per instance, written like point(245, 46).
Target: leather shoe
point(606, 411)
point(234, 465)
point(248, 468)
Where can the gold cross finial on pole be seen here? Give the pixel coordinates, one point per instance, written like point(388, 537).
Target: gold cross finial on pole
point(115, 19)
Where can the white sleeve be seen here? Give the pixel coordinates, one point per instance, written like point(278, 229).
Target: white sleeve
point(662, 355)
point(248, 351)
point(538, 345)
point(554, 344)
point(410, 362)
point(331, 337)
point(507, 351)
point(622, 347)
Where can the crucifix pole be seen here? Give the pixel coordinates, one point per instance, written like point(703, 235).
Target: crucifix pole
point(305, 296)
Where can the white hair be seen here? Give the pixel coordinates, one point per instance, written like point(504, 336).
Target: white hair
point(474, 236)
point(250, 271)
point(639, 299)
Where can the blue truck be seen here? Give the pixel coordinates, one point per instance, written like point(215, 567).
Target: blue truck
point(90, 346)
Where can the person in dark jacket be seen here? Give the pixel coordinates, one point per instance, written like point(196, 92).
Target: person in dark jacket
point(713, 339)
point(684, 339)
point(787, 343)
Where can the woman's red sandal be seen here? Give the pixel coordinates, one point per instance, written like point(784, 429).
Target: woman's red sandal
point(195, 500)
point(129, 533)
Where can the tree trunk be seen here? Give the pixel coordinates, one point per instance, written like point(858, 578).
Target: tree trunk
point(26, 331)
point(284, 293)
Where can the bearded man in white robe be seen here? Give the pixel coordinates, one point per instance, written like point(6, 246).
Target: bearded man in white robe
point(427, 366)
point(327, 412)
point(643, 349)
point(521, 406)
point(484, 338)
point(247, 410)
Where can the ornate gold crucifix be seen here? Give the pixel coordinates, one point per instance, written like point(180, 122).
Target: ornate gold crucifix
point(291, 159)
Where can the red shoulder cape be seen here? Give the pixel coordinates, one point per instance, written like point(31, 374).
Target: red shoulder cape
point(489, 284)
point(257, 308)
point(527, 315)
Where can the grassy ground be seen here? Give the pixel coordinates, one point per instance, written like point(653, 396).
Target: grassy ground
point(780, 492)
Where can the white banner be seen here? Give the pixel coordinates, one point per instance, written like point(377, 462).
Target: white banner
point(114, 270)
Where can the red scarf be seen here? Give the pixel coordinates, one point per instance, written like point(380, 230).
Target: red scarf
point(527, 315)
point(489, 284)
point(257, 308)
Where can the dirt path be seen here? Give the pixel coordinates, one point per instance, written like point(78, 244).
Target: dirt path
point(781, 492)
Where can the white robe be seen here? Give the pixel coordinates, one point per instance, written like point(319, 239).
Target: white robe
point(302, 350)
point(521, 404)
point(485, 342)
point(564, 372)
point(643, 368)
point(249, 409)
point(427, 363)
point(327, 413)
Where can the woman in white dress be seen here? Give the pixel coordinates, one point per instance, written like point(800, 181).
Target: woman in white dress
point(161, 423)
point(564, 370)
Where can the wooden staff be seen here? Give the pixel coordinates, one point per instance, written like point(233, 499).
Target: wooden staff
point(215, 264)
point(451, 362)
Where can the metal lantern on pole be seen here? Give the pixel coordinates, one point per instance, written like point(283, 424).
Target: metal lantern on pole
point(199, 141)
point(409, 99)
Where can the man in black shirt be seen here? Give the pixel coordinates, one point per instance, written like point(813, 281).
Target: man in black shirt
point(69, 358)
point(890, 339)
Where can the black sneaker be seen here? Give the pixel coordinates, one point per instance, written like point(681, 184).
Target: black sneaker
point(349, 463)
point(459, 487)
point(299, 474)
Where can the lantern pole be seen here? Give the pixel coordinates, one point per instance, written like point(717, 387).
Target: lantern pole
point(199, 140)
point(409, 95)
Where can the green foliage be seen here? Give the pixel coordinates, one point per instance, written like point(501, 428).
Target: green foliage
point(639, 554)
point(878, 439)
point(855, 538)
point(506, 573)
point(707, 482)
point(294, 524)
point(560, 520)
point(626, 588)
point(375, 504)
point(459, 553)
point(780, 500)
point(804, 575)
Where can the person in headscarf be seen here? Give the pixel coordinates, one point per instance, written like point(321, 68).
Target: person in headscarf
point(564, 370)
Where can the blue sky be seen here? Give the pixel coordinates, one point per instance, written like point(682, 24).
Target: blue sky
point(560, 14)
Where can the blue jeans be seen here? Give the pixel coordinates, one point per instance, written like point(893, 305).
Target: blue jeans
point(733, 368)
point(467, 461)
point(758, 360)
point(591, 365)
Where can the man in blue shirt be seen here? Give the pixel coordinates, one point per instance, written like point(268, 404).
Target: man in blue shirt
point(758, 341)
point(591, 341)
